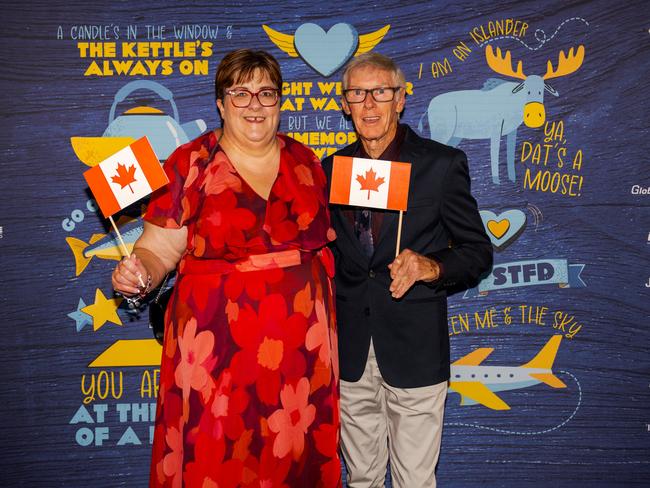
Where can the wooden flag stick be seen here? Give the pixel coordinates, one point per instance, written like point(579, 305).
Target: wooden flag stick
point(125, 251)
point(399, 233)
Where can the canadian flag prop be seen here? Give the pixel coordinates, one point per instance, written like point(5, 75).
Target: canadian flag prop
point(125, 177)
point(370, 183)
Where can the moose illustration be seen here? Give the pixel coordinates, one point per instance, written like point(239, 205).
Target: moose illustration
point(498, 108)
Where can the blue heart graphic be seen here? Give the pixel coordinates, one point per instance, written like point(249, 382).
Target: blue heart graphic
point(326, 51)
point(516, 222)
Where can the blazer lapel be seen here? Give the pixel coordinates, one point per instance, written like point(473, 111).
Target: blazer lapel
point(348, 233)
point(343, 222)
point(388, 227)
point(387, 239)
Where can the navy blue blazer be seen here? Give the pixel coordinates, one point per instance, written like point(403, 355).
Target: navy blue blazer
point(410, 335)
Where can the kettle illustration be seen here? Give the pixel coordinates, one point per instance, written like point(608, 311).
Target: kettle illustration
point(165, 132)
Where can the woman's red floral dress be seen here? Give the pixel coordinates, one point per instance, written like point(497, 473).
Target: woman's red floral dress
point(249, 376)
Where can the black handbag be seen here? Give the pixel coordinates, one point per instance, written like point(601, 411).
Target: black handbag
point(157, 309)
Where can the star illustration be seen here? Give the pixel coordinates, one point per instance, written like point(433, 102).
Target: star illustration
point(103, 310)
point(80, 318)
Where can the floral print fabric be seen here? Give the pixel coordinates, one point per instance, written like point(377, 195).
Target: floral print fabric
point(249, 376)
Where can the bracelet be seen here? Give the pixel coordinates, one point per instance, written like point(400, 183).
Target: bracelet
point(133, 302)
point(147, 287)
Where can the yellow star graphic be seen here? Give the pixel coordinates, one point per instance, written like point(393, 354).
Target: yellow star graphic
point(103, 310)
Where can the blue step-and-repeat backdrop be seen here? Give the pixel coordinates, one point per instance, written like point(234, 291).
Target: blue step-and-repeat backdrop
point(562, 318)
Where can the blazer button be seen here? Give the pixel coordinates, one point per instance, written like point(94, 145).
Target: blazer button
point(371, 274)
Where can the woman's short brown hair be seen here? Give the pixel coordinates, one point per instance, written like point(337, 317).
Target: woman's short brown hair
point(240, 65)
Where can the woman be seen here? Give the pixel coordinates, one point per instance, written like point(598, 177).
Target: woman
point(249, 376)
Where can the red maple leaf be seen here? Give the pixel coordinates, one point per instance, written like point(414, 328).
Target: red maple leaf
point(370, 182)
point(124, 176)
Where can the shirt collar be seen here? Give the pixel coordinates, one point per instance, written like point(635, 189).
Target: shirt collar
point(391, 153)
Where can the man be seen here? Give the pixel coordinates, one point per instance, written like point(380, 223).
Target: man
point(392, 311)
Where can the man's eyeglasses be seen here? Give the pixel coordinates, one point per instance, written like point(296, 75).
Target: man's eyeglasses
point(380, 94)
point(242, 98)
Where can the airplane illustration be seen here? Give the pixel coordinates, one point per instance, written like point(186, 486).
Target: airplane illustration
point(478, 384)
point(104, 246)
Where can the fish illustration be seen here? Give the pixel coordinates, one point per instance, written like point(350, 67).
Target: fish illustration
point(104, 246)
